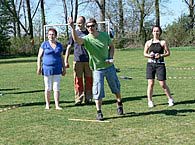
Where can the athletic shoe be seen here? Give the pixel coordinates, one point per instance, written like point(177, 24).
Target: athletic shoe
point(171, 102)
point(99, 116)
point(120, 110)
point(150, 104)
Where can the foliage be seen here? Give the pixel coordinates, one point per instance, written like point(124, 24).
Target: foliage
point(5, 29)
point(25, 122)
point(179, 33)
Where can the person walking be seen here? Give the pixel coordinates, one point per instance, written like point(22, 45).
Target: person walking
point(156, 50)
point(50, 63)
point(101, 52)
point(82, 72)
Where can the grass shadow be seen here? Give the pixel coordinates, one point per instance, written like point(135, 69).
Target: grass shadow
point(172, 112)
point(18, 61)
point(128, 99)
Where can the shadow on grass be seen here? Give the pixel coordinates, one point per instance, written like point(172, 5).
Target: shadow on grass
point(30, 104)
point(172, 112)
point(127, 99)
point(24, 92)
point(18, 61)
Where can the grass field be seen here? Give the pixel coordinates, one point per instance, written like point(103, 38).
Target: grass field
point(24, 121)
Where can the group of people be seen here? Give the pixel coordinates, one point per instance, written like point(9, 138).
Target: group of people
point(93, 61)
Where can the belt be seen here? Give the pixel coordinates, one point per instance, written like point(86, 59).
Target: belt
point(155, 61)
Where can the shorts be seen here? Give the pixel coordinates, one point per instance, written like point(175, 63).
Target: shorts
point(98, 82)
point(157, 69)
point(53, 80)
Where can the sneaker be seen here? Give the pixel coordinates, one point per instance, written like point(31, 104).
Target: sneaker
point(170, 102)
point(99, 117)
point(120, 110)
point(150, 104)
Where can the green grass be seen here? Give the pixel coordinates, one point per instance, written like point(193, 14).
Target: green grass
point(30, 124)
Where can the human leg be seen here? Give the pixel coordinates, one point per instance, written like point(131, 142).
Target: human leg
point(48, 86)
point(56, 89)
point(98, 92)
point(167, 92)
point(161, 76)
point(78, 82)
point(114, 85)
point(150, 76)
point(88, 83)
point(150, 92)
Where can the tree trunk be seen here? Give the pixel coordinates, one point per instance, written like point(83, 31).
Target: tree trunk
point(29, 19)
point(157, 12)
point(101, 5)
point(43, 17)
point(121, 19)
point(66, 16)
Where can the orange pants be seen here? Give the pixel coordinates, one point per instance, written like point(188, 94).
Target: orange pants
point(82, 81)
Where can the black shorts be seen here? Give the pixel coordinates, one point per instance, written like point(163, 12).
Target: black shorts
point(157, 69)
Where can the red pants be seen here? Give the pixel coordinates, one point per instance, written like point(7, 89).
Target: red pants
point(82, 81)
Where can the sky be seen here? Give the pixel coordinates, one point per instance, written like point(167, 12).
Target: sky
point(174, 10)
point(171, 11)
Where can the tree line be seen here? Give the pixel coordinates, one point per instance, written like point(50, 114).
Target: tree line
point(22, 22)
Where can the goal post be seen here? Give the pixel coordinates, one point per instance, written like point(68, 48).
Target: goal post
point(61, 28)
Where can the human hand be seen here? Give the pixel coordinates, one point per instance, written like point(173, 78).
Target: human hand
point(70, 22)
point(157, 55)
point(39, 71)
point(109, 61)
point(67, 65)
point(63, 72)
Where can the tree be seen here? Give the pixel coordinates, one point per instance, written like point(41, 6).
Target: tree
point(5, 28)
point(42, 17)
point(191, 5)
point(101, 5)
point(30, 24)
point(121, 19)
point(157, 14)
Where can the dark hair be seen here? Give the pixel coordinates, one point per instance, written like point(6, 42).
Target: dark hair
point(160, 29)
point(54, 30)
point(91, 20)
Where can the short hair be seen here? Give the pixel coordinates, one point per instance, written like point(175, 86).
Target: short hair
point(84, 20)
point(53, 30)
point(91, 20)
point(160, 29)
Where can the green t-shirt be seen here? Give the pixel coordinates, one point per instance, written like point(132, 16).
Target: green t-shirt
point(98, 50)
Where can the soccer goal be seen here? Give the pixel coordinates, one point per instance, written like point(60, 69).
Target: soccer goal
point(62, 29)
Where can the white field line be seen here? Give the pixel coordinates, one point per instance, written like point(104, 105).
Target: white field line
point(88, 120)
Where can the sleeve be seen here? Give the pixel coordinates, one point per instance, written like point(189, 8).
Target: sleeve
point(70, 41)
point(43, 45)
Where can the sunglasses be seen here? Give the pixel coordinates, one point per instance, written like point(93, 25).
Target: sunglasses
point(92, 26)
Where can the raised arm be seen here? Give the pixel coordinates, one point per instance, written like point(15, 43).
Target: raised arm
point(80, 41)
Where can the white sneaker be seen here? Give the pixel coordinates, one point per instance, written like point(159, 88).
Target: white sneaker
point(150, 104)
point(171, 102)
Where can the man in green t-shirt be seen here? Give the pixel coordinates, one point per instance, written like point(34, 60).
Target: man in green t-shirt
point(101, 51)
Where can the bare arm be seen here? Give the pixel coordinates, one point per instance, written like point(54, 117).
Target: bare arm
point(111, 51)
point(146, 48)
point(166, 48)
point(40, 54)
point(68, 50)
point(75, 37)
point(63, 65)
